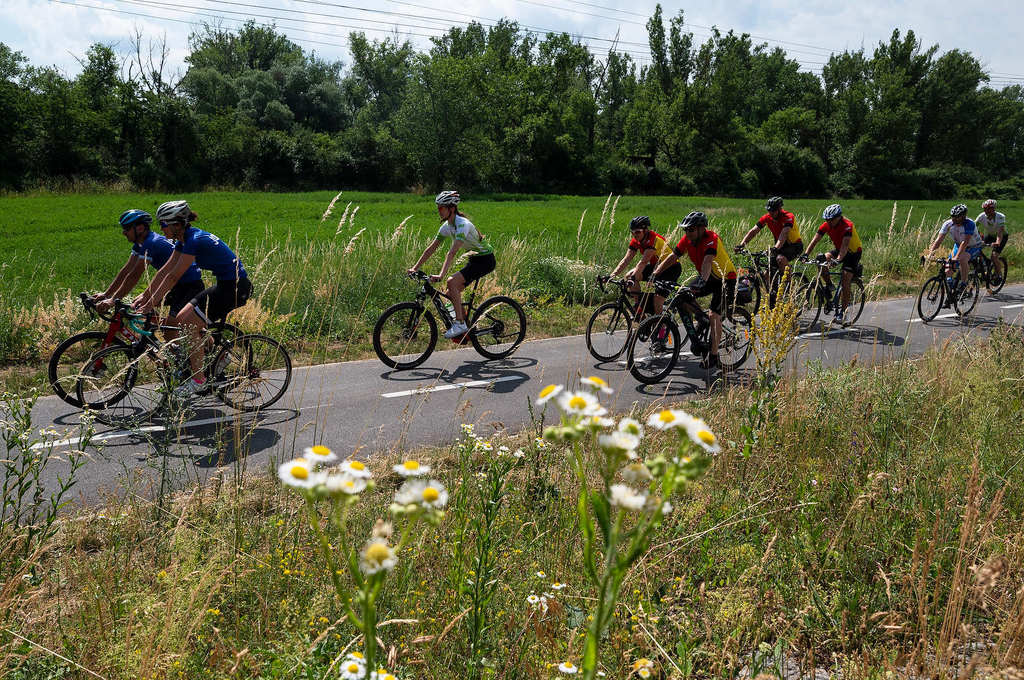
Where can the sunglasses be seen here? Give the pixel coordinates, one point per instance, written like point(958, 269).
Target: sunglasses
point(689, 229)
point(164, 225)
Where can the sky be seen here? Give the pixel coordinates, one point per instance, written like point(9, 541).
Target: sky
point(58, 32)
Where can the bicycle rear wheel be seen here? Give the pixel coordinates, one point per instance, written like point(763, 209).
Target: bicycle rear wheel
point(996, 281)
point(608, 331)
point(931, 297)
point(404, 335)
point(66, 362)
point(252, 372)
point(122, 389)
point(734, 345)
point(498, 327)
point(649, 357)
point(856, 306)
point(965, 300)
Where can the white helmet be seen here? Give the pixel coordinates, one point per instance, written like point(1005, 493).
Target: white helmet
point(990, 203)
point(447, 198)
point(173, 211)
point(831, 212)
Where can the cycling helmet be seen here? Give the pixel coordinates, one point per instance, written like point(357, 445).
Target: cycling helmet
point(695, 219)
point(173, 211)
point(831, 212)
point(447, 198)
point(640, 222)
point(958, 210)
point(774, 203)
point(134, 216)
point(990, 203)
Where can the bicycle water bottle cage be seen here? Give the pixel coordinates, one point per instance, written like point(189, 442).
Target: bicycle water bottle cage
point(141, 330)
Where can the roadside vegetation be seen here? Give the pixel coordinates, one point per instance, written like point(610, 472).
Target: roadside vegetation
point(862, 521)
point(322, 280)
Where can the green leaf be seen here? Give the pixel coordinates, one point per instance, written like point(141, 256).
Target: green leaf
point(599, 502)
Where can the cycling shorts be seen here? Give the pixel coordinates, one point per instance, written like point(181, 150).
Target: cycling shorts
point(181, 294)
point(997, 245)
point(478, 266)
point(718, 291)
point(973, 252)
point(671, 274)
point(851, 263)
point(214, 303)
point(790, 251)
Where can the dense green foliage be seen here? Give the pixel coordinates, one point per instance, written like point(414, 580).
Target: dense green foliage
point(496, 109)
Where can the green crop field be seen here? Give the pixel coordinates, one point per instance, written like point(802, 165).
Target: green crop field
point(328, 279)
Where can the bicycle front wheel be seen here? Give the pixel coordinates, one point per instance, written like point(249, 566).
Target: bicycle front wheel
point(124, 390)
point(817, 298)
point(608, 331)
point(67, 362)
point(404, 335)
point(498, 327)
point(251, 372)
point(965, 300)
point(734, 345)
point(931, 297)
point(654, 349)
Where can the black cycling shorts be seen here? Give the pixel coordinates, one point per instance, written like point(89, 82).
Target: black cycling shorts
point(998, 247)
point(851, 263)
point(182, 294)
point(671, 274)
point(790, 251)
point(478, 266)
point(718, 292)
point(214, 303)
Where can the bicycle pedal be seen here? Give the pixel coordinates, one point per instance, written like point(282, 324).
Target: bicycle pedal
point(460, 339)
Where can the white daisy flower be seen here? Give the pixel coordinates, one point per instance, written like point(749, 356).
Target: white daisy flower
point(484, 446)
point(669, 418)
point(631, 426)
point(556, 586)
point(644, 672)
point(626, 497)
point(642, 663)
point(532, 600)
point(299, 473)
point(568, 668)
point(356, 468)
point(320, 455)
point(411, 468)
point(702, 436)
point(580, 404)
point(596, 423)
point(596, 383)
point(542, 574)
point(619, 443)
point(540, 443)
point(519, 453)
point(636, 473)
point(666, 508)
point(503, 449)
point(548, 393)
point(467, 429)
point(430, 494)
point(344, 483)
point(376, 556)
point(352, 670)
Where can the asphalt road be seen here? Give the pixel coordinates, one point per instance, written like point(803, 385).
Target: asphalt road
point(362, 407)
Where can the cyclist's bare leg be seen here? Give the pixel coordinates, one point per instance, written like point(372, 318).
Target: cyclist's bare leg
point(963, 257)
point(716, 331)
point(844, 299)
point(192, 324)
point(457, 284)
point(659, 301)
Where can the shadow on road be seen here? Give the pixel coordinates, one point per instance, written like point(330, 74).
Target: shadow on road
point(486, 369)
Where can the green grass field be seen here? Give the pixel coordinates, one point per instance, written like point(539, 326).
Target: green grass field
point(324, 284)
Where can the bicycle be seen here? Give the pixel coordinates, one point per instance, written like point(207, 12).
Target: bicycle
point(984, 266)
point(64, 368)
point(611, 324)
point(764, 273)
point(655, 346)
point(824, 296)
point(408, 329)
point(129, 384)
point(940, 291)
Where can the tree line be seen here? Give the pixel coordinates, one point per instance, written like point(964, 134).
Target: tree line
point(497, 109)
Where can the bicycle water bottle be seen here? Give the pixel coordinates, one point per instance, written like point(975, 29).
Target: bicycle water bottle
point(450, 309)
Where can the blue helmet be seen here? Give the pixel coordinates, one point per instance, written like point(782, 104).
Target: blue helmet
point(134, 216)
point(832, 211)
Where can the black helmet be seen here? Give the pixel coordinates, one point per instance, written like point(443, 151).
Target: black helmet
point(774, 203)
point(695, 219)
point(640, 222)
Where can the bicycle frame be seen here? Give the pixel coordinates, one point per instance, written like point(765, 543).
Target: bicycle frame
point(436, 296)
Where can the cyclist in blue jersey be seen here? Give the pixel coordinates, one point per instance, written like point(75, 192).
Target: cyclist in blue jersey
point(966, 239)
point(152, 248)
point(194, 246)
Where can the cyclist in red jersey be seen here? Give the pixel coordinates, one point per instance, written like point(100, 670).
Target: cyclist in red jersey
point(652, 247)
point(847, 251)
point(782, 224)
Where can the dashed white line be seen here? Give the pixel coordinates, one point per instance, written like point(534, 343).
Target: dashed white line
point(452, 386)
point(940, 316)
point(1012, 306)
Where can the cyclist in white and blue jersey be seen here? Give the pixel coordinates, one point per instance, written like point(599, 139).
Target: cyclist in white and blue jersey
point(195, 247)
point(148, 247)
point(966, 238)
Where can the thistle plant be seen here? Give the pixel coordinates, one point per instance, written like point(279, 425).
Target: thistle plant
point(337, 489)
point(623, 498)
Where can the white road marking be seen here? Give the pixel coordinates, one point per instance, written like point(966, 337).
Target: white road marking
point(452, 386)
point(823, 334)
point(1012, 306)
point(940, 316)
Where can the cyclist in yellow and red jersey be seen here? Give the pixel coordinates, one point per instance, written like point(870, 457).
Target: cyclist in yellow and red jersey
point(652, 248)
point(847, 250)
point(717, 275)
point(788, 245)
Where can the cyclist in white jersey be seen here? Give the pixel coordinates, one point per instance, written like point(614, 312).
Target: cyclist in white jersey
point(992, 226)
point(965, 236)
point(463, 235)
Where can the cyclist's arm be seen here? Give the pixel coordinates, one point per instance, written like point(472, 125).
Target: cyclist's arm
point(126, 278)
point(426, 254)
point(624, 261)
point(751, 234)
point(168, 275)
point(783, 235)
point(706, 266)
point(844, 247)
point(669, 260)
point(450, 258)
point(813, 243)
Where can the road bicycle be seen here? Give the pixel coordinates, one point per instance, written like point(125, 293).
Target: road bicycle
point(984, 265)
point(610, 325)
point(655, 346)
point(941, 291)
point(823, 296)
point(764, 275)
point(406, 333)
point(126, 385)
point(65, 365)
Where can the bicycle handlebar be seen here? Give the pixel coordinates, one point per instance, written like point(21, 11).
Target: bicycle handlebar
point(418, 276)
point(90, 307)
